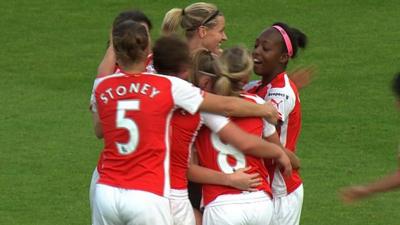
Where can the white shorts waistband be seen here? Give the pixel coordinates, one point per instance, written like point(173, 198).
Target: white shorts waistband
point(178, 194)
point(244, 197)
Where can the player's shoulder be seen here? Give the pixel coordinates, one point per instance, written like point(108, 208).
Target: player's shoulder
point(102, 79)
point(282, 87)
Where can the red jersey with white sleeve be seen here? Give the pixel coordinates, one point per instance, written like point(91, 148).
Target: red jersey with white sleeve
point(135, 112)
point(282, 92)
point(184, 128)
point(216, 155)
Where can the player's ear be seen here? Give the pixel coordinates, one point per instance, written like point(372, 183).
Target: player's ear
point(204, 83)
point(202, 31)
point(284, 58)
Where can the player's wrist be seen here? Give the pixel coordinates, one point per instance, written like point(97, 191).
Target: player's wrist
point(228, 180)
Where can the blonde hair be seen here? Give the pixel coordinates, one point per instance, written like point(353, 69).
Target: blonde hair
point(186, 21)
point(236, 65)
point(204, 63)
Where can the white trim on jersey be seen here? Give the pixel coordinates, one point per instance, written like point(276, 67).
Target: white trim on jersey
point(201, 122)
point(167, 182)
point(278, 185)
point(269, 129)
point(214, 122)
point(283, 134)
point(283, 98)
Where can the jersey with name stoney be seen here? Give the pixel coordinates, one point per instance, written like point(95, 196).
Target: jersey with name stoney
point(130, 88)
point(135, 112)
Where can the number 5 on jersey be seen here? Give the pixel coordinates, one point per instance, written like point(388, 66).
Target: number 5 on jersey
point(128, 124)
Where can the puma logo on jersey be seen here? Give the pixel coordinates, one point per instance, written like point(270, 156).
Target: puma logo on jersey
point(121, 90)
point(276, 103)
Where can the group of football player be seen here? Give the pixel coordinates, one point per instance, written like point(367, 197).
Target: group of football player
point(183, 114)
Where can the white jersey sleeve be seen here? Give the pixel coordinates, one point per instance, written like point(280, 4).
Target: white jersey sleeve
point(283, 99)
point(269, 129)
point(186, 95)
point(93, 103)
point(214, 122)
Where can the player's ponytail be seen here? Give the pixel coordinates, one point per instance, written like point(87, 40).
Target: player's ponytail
point(188, 19)
point(172, 22)
point(297, 38)
point(236, 66)
point(130, 42)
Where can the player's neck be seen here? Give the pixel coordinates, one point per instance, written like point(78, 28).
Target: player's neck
point(134, 68)
point(267, 78)
point(194, 44)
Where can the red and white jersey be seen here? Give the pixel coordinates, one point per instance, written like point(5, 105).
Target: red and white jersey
point(216, 155)
point(282, 92)
point(184, 129)
point(135, 112)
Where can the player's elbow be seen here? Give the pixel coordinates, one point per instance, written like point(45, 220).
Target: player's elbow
point(98, 132)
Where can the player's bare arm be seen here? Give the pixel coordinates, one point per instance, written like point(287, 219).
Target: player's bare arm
point(239, 179)
point(253, 145)
point(107, 64)
point(294, 160)
point(359, 192)
point(98, 130)
point(233, 106)
point(302, 77)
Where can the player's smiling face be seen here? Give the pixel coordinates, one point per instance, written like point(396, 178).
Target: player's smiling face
point(267, 53)
point(214, 36)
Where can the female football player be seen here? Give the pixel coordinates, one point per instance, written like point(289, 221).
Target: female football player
point(273, 50)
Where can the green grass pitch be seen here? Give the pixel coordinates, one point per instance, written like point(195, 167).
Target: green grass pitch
point(50, 51)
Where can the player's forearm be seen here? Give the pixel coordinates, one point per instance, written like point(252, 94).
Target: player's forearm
point(98, 130)
point(242, 108)
point(294, 160)
point(234, 106)
point(107, 65)
point(204, 175)
point(263, 149)
point(248, 143)
point(384, 184)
